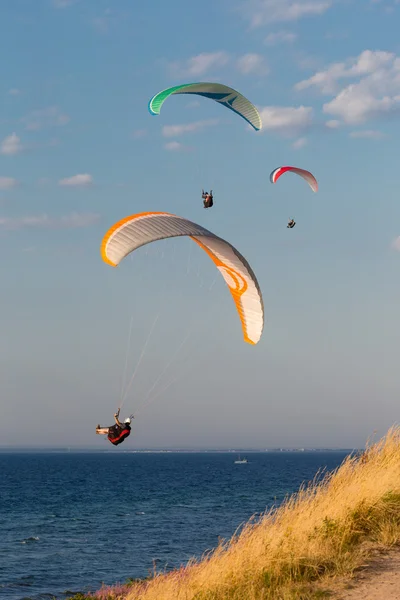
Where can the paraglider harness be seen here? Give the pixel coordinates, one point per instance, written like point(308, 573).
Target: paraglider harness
point(119, 432)
point(291, 224)
point(208, 199)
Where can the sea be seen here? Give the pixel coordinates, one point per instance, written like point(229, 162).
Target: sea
point(70, 521)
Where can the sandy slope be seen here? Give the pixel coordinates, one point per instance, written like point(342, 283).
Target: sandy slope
point(380, 580)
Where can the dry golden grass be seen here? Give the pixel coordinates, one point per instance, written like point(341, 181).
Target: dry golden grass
point(326, 529)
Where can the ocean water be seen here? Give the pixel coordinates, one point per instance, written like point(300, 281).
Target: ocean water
point(70, 521)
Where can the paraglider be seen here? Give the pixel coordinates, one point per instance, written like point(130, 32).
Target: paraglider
point(208, 199)
point(306, 175)
point(117, 433)
point(135, 231)
point(218, 92)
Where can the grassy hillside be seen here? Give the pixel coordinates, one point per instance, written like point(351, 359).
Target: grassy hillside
point(327, 529)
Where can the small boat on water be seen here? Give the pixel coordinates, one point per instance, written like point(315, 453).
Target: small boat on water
point(241, 461)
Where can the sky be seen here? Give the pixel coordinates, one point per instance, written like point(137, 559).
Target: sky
point(79, 151)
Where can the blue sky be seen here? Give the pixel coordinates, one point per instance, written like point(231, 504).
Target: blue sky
point(79, 151)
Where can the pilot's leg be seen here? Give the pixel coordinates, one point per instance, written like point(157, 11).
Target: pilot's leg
point(101, 430)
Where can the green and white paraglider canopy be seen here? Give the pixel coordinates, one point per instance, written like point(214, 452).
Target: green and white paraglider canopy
point(218, 92)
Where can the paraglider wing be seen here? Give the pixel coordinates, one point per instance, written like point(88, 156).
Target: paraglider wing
point(143, 228)
point(309, 177)
point(214, 91)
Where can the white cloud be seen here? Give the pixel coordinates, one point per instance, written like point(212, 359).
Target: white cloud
point(203, 63)
point(354, 105)
point(7, 182)
point(200, 64)
point(280, 37)
point(11, 145)
point(367, 63)
point(333, 124)
point(74, 220)
point(82, 179)
point(252, 63)
point(47, 117)
point(176, 130)
point(367, 133)
point(287, 120)
point(373, 93)
point(263, 12)
point(173, 146)
point(396, 244)
point(14, 92)
point(300, 143)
